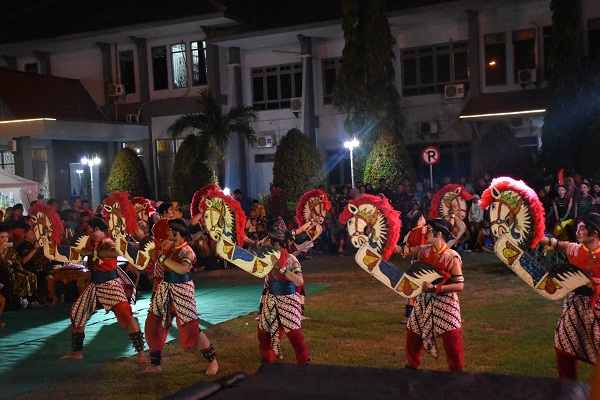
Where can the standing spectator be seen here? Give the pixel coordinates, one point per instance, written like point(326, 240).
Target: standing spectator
point(383, 189)
point(547, 202)
point(572, 191)
point(465, 183)
point(165, 210)
point(245, 201)
point(596, 192)
point(419, 192)
point(563, 214)
point(54, 204)
point(584, 203)
point(401, 200)
point(475, 218)
point(344, 199)
point(334, 199)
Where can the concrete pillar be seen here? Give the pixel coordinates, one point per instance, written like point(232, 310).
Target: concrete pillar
point(235, 99)
point(43, 58)
point(308, 92)
point(23, 159)
point(143, 69)
point(474, 64)
point(107, 76)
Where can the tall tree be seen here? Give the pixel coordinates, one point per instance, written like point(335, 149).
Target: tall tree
point(366, 88)
point(571, 123)
point(191, 170)
point(128, 174)
point(215, 129)
point(297, 162)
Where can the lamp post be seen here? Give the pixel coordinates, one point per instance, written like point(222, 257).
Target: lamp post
point(351, 144)
point(91, 161)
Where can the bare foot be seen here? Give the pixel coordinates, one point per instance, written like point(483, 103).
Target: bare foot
point(74, 355)
point(142, 358)
point(303, 317)
point(213, 367)
point(153, 369)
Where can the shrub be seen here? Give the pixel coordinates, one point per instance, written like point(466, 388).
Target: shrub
point(128, 174)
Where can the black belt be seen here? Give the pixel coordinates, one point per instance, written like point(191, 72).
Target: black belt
point(281, 288)
point(174, 277)
point(104, 276)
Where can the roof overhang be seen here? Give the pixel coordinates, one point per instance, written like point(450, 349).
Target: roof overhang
point(52, 129)
point(526, 103)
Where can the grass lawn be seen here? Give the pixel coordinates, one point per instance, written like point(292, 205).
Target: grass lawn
point(508, 329)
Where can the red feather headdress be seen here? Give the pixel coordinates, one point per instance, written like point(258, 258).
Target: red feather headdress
point(234, 206)
point(54, 218)
point(305, 197)
point(439, 195)
point(139, 200)
point(197, 198)
point(127, 210)
point(537, 209)
point(392, 217)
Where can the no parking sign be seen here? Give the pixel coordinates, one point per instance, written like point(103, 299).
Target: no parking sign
point(430, 155)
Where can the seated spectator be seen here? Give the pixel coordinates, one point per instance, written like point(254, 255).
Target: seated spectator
point(22, 283)
point(16, 224)
point(485, 239)
point(259, 208)
point(261, 231)
point(34, 260)
point(84, 217)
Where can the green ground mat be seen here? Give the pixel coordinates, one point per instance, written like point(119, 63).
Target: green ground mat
point(33, 339)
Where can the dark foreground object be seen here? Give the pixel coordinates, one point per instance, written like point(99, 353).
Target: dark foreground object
point(290, 381)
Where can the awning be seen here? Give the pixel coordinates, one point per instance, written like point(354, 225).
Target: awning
point(507, 104)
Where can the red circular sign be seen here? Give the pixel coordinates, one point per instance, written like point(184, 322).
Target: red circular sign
point(430, 155)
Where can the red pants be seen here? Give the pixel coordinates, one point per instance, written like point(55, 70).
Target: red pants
point(453, 346)
point(566, 365)
point(296, 340)
point(156, 334)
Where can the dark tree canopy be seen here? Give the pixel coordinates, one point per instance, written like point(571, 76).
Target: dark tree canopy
point(386, 161)
point(297, 162)
point(191, 170)
point(128, 174)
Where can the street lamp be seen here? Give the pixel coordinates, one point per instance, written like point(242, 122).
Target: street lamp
point(91, 161)
point(351, 144)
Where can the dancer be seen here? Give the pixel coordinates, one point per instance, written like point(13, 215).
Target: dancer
point(107, 289)
point(437, 310)
point(281, 310)
point(175, 298)
point(577, 335)
point(415, 237)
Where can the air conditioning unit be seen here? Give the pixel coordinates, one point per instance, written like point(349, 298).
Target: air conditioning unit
point(520, 123)
point(296, 104)
point(132, 118)
point(428, 128)
point(11, 145)
point(116, 90)
point(527, 76)
point(456, 91)
point(267, 140)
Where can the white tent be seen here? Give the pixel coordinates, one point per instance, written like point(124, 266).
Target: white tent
point(15, 189)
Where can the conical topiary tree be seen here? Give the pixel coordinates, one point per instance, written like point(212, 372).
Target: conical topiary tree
point(128, 174)
point(191, 170)
point(297, 162)
point(388, 160)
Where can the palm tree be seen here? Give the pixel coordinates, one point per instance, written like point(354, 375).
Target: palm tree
point(215, 129)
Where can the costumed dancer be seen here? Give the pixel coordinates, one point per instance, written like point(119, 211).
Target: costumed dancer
point(107, 289)
point(577, 335)
point(175, 299)
point(281, 311)
point(415, 237)
point(437, 310)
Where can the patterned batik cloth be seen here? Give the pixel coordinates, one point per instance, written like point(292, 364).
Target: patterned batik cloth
point(108, 294)
point(578, 331)
point(278, 312)
point(433, 315)
point(182, 295)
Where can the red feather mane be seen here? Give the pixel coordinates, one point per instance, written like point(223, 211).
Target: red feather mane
point(234, 206)
point(142, 200)
point(304, 198)
point(392, 217)
point(197, 198)
point(54, 218)
point(127, 210)
point(439, 195)
point(537, 209)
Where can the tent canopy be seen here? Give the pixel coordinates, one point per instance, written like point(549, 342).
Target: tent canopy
point(15, 189)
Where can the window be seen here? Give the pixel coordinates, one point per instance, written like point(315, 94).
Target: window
point(165, 157)
point(273, 87)
point(594, 40)
point(180, 70)
point(7, 159)
point(495, 59)
point(127, 70)
point(198, 63)
point(427, 69)
point(337, 165)
point(331, 69)
point(159, 68)
point(547, 47)
point(264, 158)
point(524, 51)
point(32, 68)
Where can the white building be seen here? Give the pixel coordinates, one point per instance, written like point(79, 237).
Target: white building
point(463, 68)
